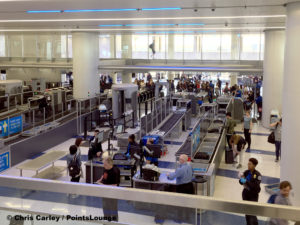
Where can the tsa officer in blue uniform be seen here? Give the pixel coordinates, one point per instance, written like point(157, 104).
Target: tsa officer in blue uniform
point(251, 180)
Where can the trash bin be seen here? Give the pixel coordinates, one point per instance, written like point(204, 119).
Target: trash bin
point(200, 185)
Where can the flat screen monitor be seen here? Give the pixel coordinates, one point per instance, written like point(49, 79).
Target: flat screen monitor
point(135, 149)
point(120, 129)
point(100, 137)
point(156, 150)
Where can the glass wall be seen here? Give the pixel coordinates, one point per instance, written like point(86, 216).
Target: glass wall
point(194, 46)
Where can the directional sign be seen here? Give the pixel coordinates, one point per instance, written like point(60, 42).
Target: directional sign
point(4, 161)
point(10, 126)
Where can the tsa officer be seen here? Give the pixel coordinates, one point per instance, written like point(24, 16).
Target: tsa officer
point(251, 180)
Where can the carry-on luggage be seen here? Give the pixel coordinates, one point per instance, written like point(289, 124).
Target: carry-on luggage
point(228, 156)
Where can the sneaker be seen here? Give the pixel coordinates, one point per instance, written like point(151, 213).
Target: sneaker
point(239, 166)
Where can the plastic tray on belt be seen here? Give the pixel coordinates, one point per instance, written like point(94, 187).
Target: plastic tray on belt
point(272, 188)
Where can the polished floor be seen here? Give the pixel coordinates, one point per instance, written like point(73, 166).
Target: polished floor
point(226, 186)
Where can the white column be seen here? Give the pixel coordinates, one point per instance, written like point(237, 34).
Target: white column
point(290, 165)
point(114, 77)
point(233, 79)
point(127, 78)
point(171, 75)
point(273, 73)
point(85, 64)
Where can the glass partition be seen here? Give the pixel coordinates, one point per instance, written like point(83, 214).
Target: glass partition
point(130, 206)
point(45, 46)
point(178, 46)
point(106, 46)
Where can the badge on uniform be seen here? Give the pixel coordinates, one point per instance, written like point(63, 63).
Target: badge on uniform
point(254, 176)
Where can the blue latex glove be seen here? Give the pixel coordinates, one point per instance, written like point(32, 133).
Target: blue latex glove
point(243, 180)
point(128, 155)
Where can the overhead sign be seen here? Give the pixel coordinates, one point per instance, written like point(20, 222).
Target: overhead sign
point(4, 161)
point(10, 126)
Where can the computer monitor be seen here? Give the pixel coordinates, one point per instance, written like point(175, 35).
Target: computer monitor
point(156, 150)
point(135, 150)
point(119, 129)
point(100, 137)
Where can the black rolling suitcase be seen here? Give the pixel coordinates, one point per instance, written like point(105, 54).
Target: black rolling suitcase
point(228, 156)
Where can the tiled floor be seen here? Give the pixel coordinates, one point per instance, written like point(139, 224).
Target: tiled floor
point(226, 184)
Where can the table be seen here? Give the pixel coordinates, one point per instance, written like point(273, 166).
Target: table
point(42, 161)
point(94, 169)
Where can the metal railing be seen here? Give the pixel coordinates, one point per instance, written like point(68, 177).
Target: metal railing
point(154, 197)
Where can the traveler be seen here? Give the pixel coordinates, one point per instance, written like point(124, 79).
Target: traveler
point(240, 143)
point(251, 180)
point(78, 143)
point(219, 84)
point(184, 185)
point(96, 146)
point(248, 128)
point(74, 164)
point(183, 175)
point(259, 102)
point(238, 93)
point(131, 141)
point(282, 198)
point(111, 176)
point(229, 126)
point(277, 133)
point(226, 90)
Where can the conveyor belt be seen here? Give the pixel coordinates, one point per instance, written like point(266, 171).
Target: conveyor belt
point(185, 149)
point(171, 122)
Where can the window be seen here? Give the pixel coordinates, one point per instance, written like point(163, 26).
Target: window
point(63, 46)
point(159, 46)
point(29, 45)
point(2, 45)
point(70, 49)
point(56, 42)
point(118, 44)
point(15, 45)
point(45, 46)
point(250, 46)
point(140, 46)
point(178, 46)
point(211, 45)
point(105, 48)
point(192, 46)
point(262, 46)
point(226, 47)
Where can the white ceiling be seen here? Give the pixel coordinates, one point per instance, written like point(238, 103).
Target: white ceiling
point(16, 10)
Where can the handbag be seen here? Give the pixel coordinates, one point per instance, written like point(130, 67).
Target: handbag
point(271, 138)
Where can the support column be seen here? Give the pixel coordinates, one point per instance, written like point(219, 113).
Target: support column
point(233, 79)
point(114, 77)
point(290, 165)
point(171, 75)
point(85, 64)
point(127, 78)
point(273, 73)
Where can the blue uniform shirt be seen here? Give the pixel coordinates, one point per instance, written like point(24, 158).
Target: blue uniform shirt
point(183, 174)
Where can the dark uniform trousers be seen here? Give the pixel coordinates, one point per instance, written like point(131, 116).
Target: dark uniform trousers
point(253, 197)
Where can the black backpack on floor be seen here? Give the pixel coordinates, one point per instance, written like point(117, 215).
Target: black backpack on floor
point(74, 169)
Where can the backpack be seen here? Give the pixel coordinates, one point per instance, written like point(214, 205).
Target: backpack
point(74, 169)
point(272, 198)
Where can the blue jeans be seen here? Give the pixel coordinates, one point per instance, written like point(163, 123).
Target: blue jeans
point(278, 149)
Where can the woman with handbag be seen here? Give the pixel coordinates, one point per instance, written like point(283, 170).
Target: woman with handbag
point(277, 133)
